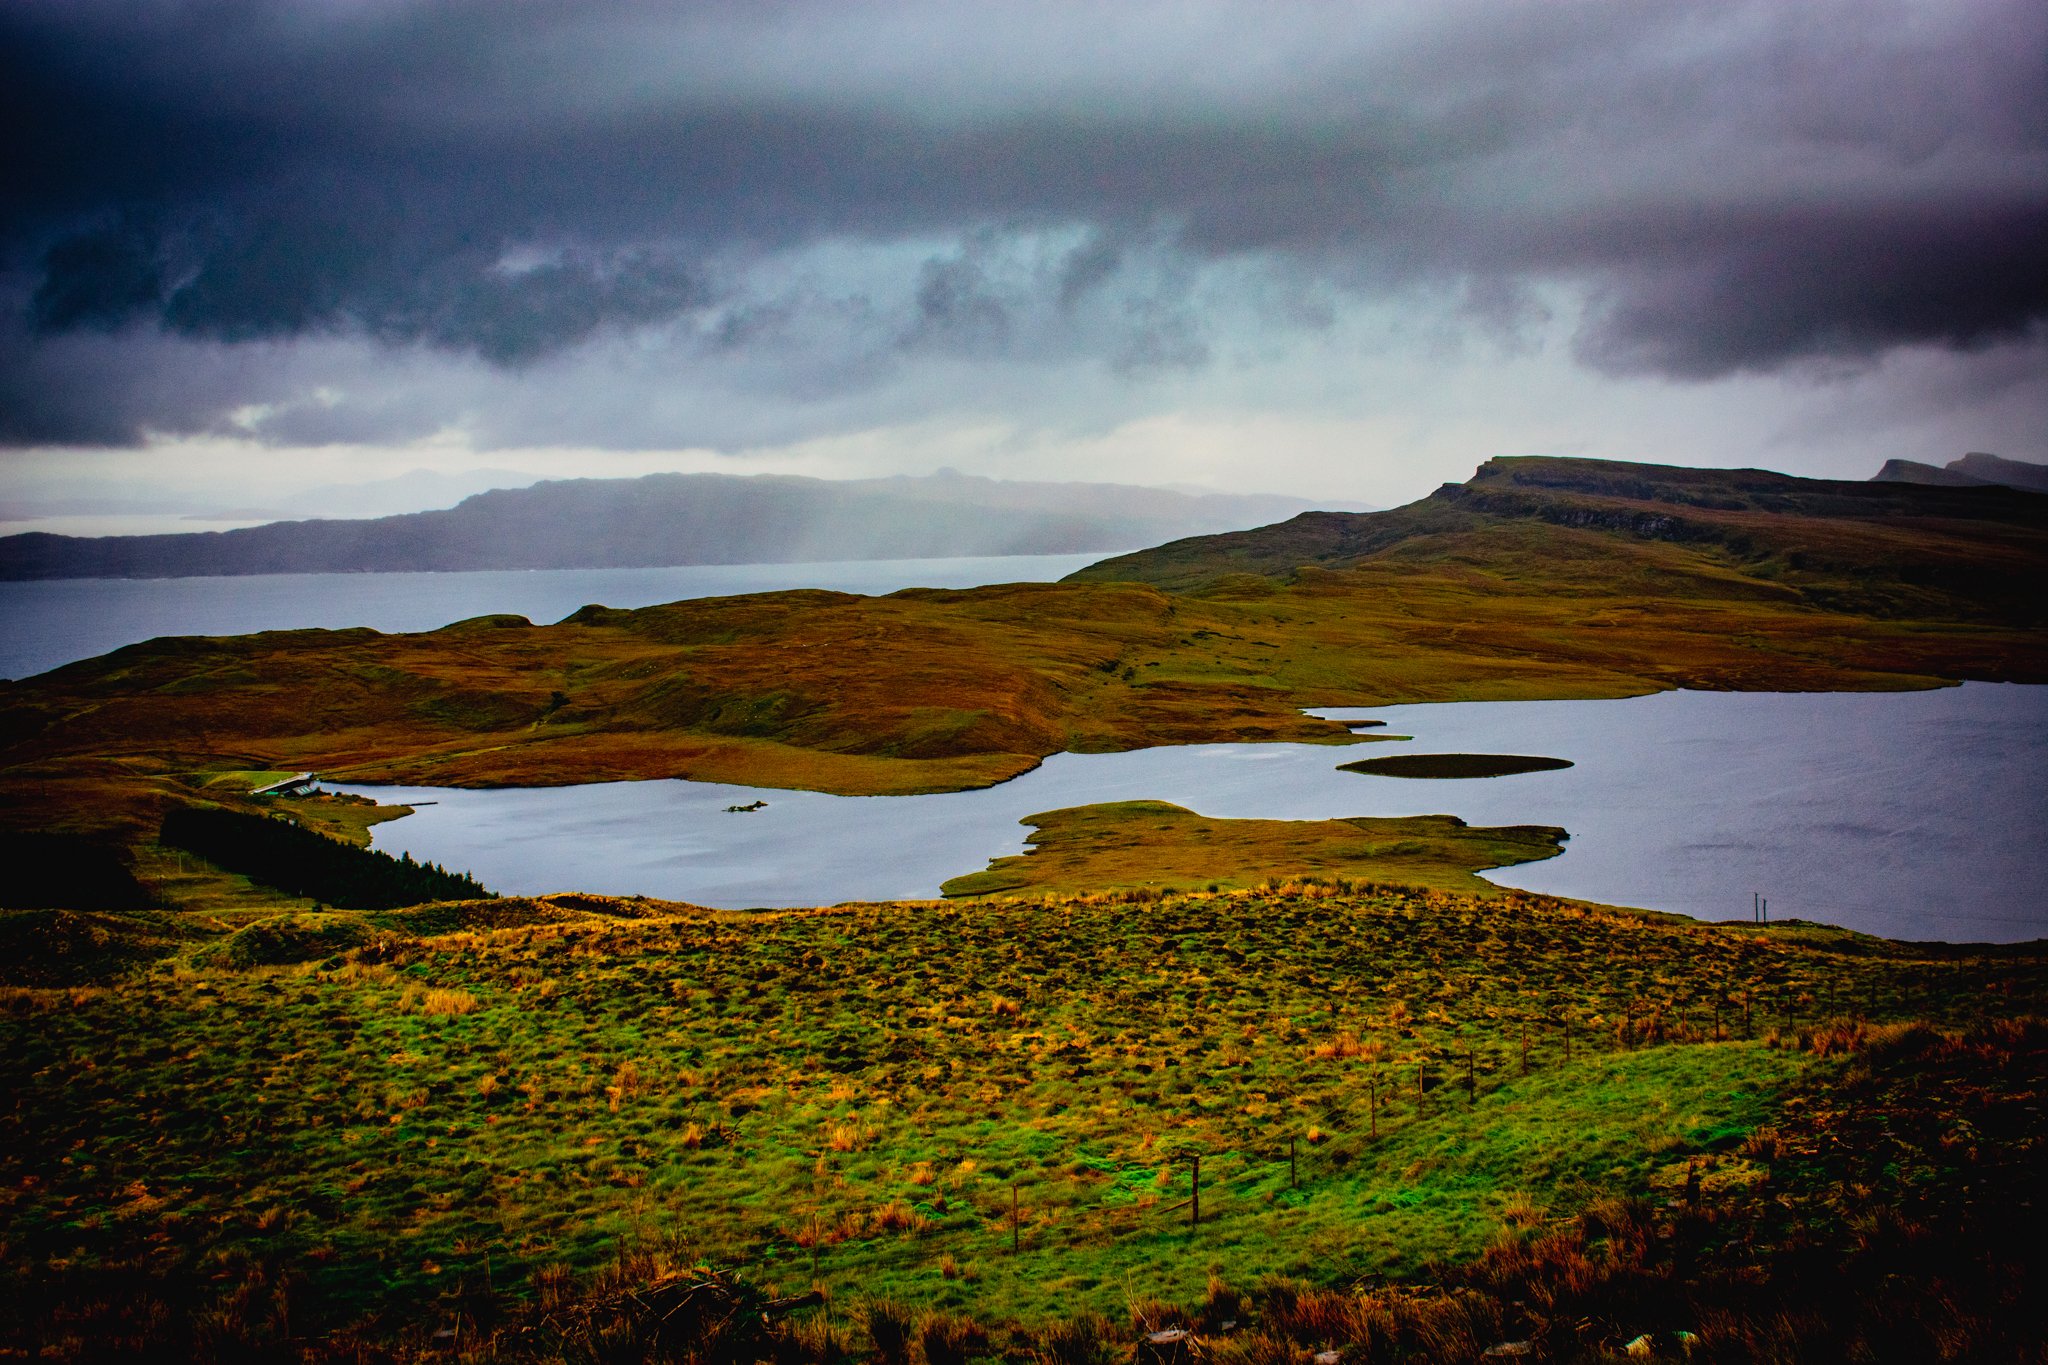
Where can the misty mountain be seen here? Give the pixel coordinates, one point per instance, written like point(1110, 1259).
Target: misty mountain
point(1973, 470)
point(669, 519)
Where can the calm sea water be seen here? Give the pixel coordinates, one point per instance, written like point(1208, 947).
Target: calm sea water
point(1914, 815)
point(57, 622)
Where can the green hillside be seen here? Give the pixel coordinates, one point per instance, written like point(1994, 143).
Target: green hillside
point(516, 1116)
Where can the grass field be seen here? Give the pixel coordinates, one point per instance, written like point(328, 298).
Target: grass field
point(451, 1117)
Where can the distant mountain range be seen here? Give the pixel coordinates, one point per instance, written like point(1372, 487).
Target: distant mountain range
point(1972, 470)
point(670, 519)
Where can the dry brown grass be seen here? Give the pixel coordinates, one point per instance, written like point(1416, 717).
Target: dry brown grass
point(897, 1216)
point(1348, 1046)
point(848, 1136)
point(626, 1082)
point(439, 1001)
point(1522, 1211)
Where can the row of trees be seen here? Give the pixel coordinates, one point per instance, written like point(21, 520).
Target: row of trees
point(280, 853)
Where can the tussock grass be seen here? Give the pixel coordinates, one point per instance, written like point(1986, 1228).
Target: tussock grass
point(433, 1113)
point(437, 1000)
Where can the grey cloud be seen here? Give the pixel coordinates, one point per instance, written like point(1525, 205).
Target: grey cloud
point(1159, 337)
point(1087, 267)
point(97, 280)
point(1811, 285)
point(1507, 311)
point(956, 308)
point(1735, 186)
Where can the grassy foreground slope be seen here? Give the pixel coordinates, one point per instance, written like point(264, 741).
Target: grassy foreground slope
point(478, 1112)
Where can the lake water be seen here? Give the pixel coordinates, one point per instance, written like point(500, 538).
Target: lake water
point(45, 624)
point(1909, 814)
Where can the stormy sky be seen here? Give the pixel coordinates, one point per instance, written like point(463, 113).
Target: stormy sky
point(1327, 249)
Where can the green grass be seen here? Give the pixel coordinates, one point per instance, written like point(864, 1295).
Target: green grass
point(408, 1118)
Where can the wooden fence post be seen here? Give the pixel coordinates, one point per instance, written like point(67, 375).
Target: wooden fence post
point(1293, 1170)
point(1525, 1047)
point(1015, 1221)
point(1471, 1077)
point(1195, 1204)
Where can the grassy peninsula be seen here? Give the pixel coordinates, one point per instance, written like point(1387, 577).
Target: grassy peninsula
point(1157, 846)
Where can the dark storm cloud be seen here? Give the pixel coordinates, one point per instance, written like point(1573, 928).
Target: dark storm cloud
point(1733, 186)
point(1829, 283)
